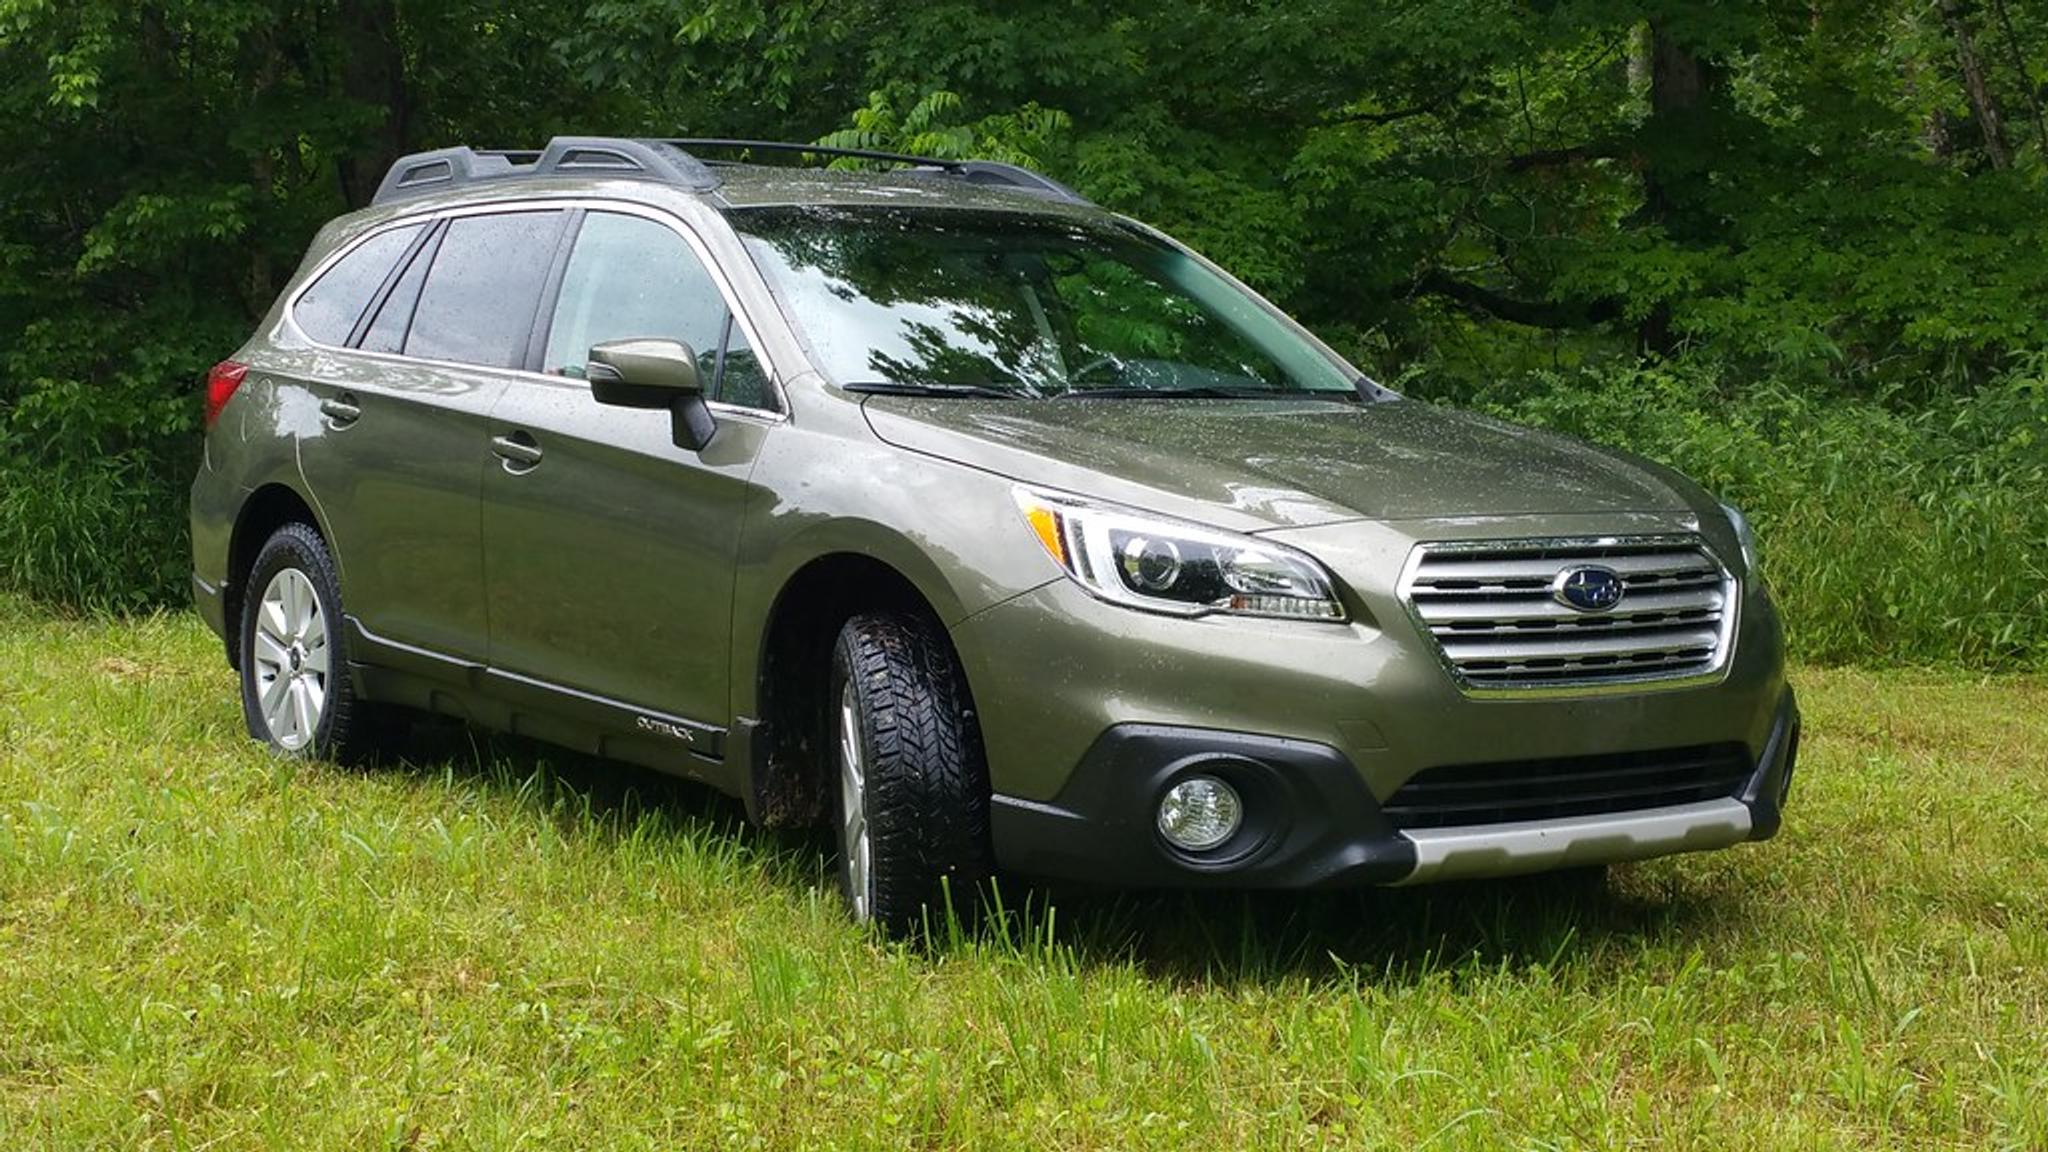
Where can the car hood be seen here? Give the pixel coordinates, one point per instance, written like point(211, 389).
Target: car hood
point(1279, 463)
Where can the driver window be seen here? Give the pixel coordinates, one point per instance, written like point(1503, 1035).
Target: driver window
point(633, 278)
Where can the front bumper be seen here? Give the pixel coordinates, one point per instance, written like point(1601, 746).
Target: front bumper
point(1085, 707)
point(1310, 821)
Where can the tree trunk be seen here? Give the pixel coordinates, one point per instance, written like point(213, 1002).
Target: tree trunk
point(259, 283)
point(1940, 140)
point(2019, 65)
point(373, 73)
point(1983, 104)
point(1680, 85)
point(262, 67)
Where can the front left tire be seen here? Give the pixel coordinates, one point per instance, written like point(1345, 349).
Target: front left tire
point(913, 790)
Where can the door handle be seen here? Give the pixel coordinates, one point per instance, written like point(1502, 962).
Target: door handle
point(518, 450)
point(341, 411)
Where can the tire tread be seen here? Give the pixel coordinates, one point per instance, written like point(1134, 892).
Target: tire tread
point(928, 789)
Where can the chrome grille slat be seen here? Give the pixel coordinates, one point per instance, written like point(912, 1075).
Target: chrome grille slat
point(1543, 567)
point(1528, 587)
point(1523, 608)
point(1542, 629)
point(1488, 608)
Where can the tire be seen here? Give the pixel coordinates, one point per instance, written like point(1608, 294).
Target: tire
point(913, 797)
point(297, 695)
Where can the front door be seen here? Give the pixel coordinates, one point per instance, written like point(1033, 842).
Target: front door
point(608, 550)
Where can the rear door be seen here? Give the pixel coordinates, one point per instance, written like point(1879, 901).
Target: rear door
point(397, 456)
point(608, 550)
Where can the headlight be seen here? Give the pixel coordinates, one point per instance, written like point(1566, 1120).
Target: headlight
point(1747, 536)
point(1144, 561)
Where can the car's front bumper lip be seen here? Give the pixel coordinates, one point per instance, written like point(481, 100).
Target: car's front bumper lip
point(1543, 845)
point(1310, 821)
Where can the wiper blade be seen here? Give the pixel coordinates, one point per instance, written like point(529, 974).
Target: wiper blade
point(897, 388)
point(1206, 393)
point(1125, 393)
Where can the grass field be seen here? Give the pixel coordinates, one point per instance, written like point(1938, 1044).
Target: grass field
point(202, 946)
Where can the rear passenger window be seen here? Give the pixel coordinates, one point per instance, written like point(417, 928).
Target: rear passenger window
point(328, 310)
point(632, 278)
point(478, 302)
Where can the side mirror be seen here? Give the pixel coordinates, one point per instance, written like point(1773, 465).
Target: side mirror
point(654, 374)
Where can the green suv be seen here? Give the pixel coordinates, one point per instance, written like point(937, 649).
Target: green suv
point(993, 528)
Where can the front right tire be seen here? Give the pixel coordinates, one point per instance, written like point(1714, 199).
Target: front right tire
point(913, 790)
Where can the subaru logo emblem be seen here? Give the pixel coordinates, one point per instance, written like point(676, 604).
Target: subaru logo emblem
point(1588, 589)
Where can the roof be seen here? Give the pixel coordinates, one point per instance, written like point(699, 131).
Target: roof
point(676, 164)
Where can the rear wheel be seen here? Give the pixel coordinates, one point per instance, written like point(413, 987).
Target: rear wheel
point(296, 693)
point(913, 788)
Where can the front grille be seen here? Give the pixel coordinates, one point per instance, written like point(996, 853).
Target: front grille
point(1491, 611)
point(1502, 793)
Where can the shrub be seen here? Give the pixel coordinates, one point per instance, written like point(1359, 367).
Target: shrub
point(98, 441)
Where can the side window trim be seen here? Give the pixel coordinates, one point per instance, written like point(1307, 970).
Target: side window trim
point(426, 256)
point(551, 293)
point(718, 366)
point(391, 279)
point(437, 223)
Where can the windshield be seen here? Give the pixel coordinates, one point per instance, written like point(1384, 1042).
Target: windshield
point(994, 303)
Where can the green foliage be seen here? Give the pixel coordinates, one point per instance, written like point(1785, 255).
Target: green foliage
point(1898, 536)
point(1461, 193)
point(931, 125)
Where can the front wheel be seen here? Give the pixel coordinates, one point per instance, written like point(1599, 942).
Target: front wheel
point(296, 693)
point(913, 791)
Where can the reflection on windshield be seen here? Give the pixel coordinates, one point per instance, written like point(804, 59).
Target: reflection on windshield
point(961, 302)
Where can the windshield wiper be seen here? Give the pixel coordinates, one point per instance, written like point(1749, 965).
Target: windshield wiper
point(897, 388)
point(1205, 392)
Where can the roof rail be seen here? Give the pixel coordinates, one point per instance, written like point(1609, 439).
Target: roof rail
point(619, 159)
point(664, 162)
point(987, 172)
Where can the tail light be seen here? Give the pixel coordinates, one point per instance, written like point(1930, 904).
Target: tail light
point(220, 387)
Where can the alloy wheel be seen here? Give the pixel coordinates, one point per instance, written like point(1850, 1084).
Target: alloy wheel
point(292, 662)
point(854, 841)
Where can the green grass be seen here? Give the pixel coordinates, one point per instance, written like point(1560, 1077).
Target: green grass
point(203, 946)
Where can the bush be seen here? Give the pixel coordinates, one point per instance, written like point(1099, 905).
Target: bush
point(108, 535)
point(1889, 536)
point(99, 437)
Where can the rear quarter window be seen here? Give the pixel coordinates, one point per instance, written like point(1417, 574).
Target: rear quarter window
point(328, 310)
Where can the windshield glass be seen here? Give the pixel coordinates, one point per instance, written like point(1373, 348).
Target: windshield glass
point(1026, 305)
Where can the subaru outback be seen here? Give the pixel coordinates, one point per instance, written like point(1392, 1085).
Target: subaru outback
point(994, 530)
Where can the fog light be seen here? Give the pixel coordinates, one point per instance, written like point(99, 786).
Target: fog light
point(1199, 813)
